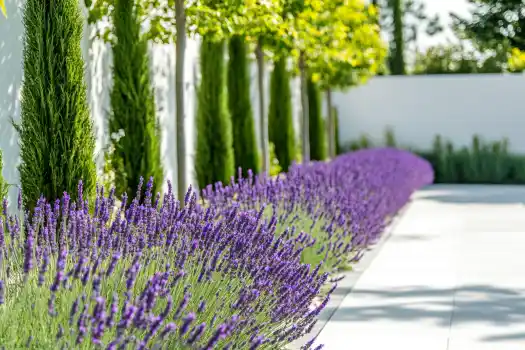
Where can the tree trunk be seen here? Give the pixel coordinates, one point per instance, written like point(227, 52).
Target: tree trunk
point(304, 103)
point(331, 125)
point(180, 13)
point(263, 117)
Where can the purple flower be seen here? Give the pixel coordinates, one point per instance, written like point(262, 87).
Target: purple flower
point(112, 264)
point(28, 257)
point(113, 311)
point(219, 334)
point(170, 328)
point(2, 292)
point(186, 321)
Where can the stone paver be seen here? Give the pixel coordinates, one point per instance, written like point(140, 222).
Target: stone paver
point(450, 277)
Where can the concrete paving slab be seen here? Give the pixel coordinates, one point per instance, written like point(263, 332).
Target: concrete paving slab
point(450, 277)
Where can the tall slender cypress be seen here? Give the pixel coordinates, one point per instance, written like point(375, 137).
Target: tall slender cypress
point(243, 127)
point(338, 149)
point(214, 159)
point(398, 50)
point(137, 147)
point(57, 142)
point(281, 132)
point(316, 126)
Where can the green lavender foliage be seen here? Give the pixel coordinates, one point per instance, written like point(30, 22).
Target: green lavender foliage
point(390, 137)
point(317, 130)
point(243, 127)
point(3, 185)
point(214, 160)
point(281, 132)
point(57, 142)
point(133, 123)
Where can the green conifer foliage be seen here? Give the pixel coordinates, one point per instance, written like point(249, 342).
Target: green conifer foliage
point(57, 142)
point(281, 132)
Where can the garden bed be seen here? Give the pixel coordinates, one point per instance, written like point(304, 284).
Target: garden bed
point(249, 270)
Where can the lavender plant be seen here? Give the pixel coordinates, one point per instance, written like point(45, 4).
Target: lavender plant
point(334, 208)
point(250, 269)
point(151, 274)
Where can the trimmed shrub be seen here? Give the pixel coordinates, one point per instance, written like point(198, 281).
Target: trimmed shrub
point(214, 159)
point(57, 142)
point(243, 128)
point(481, 163)
point(162, 276)
point(317, 129)
point(280, 121)
point(179, 275)
point(350, 197)
point(133, 126)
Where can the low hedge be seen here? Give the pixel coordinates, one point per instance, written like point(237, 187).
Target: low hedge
point(251, 269)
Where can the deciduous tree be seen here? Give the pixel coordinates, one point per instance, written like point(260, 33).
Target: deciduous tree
point(355, 54)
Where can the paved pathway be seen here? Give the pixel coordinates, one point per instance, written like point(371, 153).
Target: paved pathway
point(450, 277)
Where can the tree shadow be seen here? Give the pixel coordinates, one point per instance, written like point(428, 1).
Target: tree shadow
point(474, 194)
point(11, 63)
point(471, 304)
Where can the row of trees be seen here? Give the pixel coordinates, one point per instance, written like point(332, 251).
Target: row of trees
point(329, 44)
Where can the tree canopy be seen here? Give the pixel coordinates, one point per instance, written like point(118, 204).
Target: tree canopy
point(354, 57)
point(2, 8)
point(493, 23)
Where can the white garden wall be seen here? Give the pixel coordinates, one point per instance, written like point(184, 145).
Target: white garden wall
point(419, 107)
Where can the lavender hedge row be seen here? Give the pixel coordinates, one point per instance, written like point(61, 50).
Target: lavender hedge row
point(344, 204)
point(241, 271)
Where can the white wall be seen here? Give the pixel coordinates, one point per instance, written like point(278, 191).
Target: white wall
point(419, 107)
point(10, 80)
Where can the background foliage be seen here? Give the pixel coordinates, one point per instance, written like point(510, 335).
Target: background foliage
point(214, 158)
point(239, 103)
point(281, 131)
point(133, 125)
point(483, 162)
point(317, 125)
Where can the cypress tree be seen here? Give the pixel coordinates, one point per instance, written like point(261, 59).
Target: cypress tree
point(214, 159)
point(338, 149)
point(397, 59)
point(316, 125)
point(137, 146)
point(281, 132)
point(57, 142)
point(243, 128)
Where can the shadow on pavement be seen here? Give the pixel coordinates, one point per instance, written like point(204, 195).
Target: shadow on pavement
point(475, 304)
